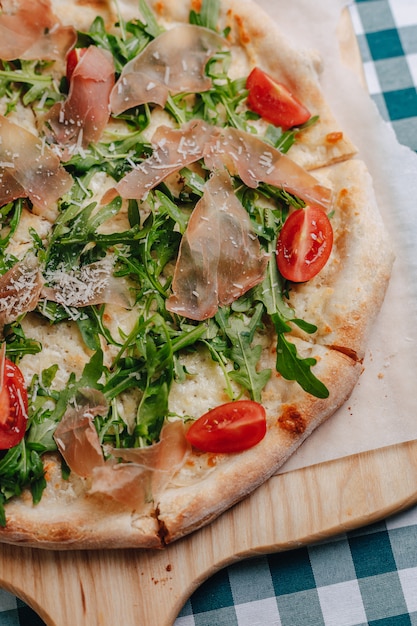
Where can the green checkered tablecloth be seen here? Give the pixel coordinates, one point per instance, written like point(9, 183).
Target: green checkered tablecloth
point(387, 35)
point(365, 577)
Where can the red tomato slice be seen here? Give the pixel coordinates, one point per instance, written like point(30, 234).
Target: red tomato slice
point(274, 102)
point(73, 57)
point(230, 427)
point(13, 406)
point(304, 244)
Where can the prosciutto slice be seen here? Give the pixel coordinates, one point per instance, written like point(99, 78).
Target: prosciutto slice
point(77, 439)
point(220, 257)
point(254, 161)
point(173, 149)
point(82, 118)
point(164, 458)
point(144, 472)
point(31, 31)
point(174, 62)
point(125, 483)
point(29, 169)
point(241, 153)
point(20, 288)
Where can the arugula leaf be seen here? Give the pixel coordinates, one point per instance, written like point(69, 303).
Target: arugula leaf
point(10, 215)
point(75, 228)
point(92, 372)
point(220, 105)
point(19, 467)
point(89, 329)
point(133, 37)
point(17, 344)
point(29, 80)
point(151, 24)
point(172, 210)
point(288, 362)
point(241, 351)
point(208, 15)
point(114, 154)
point(292, 367)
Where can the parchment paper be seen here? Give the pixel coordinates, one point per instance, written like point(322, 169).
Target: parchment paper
point(382, 409)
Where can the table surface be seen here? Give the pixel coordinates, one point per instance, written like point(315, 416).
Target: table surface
point(364, 577)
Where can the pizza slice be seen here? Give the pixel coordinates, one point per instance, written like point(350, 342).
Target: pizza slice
point(169, 336)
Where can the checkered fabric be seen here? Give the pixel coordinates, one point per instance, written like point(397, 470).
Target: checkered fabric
point(362, 578)
point(366, 577)
point(387, 36)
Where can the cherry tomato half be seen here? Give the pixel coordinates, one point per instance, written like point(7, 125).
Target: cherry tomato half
point(230, 427)
point(73, 57)
point(274, 102)
point(304, 244)
point(13, 406)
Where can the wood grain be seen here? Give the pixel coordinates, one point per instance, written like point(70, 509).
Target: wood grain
point(132, 587)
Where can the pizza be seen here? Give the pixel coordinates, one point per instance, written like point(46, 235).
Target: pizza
point(192, 259)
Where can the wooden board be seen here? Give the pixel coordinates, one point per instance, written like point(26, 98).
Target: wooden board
point(148, 588)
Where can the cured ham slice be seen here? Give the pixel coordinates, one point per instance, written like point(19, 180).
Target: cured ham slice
point(77, 438)
point(164, 458)
point(125, 483)
point(220, 258)
point(82, 118)
point(144, 472)
point(174, 62)
point(31, 31)
point(254, 161)
point(29, 169)
point(241, 153)
point(20, 288)
point(173, 149)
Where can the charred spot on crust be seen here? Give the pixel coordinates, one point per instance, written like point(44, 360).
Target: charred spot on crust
point(292, 421)
point(352, 354)
point(162, 529)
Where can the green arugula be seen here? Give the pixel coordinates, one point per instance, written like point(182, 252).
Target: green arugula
point(10, 215)
point(241, 351)
point(208, 15)
point(19, 467)
point(288, 362)
point(28, 81)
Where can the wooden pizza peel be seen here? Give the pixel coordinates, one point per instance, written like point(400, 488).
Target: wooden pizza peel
point(148, 588)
